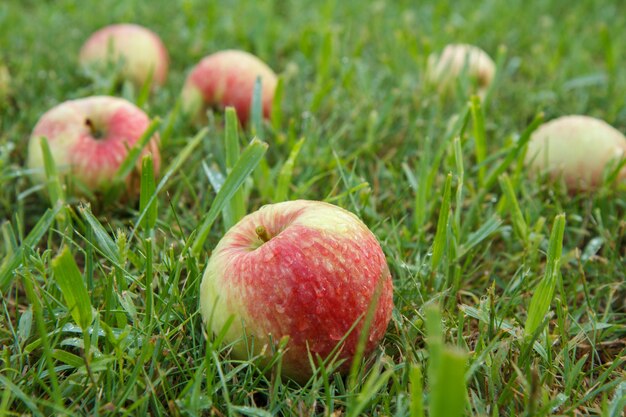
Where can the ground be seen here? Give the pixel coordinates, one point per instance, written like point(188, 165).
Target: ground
point(471, 240)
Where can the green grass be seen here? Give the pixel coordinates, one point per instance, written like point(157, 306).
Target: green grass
point(503, 305)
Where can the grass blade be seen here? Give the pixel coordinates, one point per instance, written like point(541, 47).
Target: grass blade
point(517, 218)
point(171, 169)
point(480, 137)
point(248, 161)
point(256, 112)
point(236, 208)
point(416, 392)
point(446, 370)
point(146, 203)
point(284, 177)
point(540, 302)
point(72, 285)
point(55, 190)
point(441, 236)
point(105, 242)
point(277, 109)
point(7, 272)
point(448, 390)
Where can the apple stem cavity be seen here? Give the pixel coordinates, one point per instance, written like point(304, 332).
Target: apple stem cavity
point(95, 132)
point(262, 233)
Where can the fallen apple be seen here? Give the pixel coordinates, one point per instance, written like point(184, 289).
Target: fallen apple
point(455, 60)
point(576, 149)
point(139, 51)
point(227, 78)
point(303, 270)
point(89, 139)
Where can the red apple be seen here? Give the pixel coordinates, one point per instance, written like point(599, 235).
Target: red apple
point(458, 59)
point(140, 51)
point(227, 78)
point(305, 270)
point(89, 138)
point(576, 149)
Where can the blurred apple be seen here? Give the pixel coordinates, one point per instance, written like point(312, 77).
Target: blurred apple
point(89, 139)
point(457, 60)
point(139, 51)
point(227, 78)
point(576, 149)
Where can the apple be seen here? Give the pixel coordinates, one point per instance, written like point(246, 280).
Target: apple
point(138, 50)
point(444, 69)
point(302, 270)
point(89, 139)
point(227, 78)
point(576, 149)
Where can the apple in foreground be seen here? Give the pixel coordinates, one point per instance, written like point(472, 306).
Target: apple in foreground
point(227, 78)
point(305, 270)
point(576, 149)
point(89, 139)
point(138, 50)
point(456, 60)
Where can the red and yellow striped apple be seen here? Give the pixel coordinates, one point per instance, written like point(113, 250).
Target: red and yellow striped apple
point(305, 270)
point(576, 149)
point(140, 51)
point(227, 78)
point(89, 139)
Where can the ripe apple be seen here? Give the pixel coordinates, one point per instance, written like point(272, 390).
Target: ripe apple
point(456, 60)
point(305, 270)
point(89, 139)
point(138, 50)
point(577, 149)
point(227, 78)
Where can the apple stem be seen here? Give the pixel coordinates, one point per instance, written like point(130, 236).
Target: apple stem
point(261, 232)
point(97, 134)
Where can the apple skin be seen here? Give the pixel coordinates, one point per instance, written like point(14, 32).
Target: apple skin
point(227, 78)
point(576, 149)
point(78, 155)
point(310, 282)
point(444, 69)
point(141, 50)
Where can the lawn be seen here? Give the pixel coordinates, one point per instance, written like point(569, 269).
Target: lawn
point(509, 291)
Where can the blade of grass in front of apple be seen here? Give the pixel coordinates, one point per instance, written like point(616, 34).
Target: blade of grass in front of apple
point(248, 161)
point(541, 299)
point(7, 273)
point(236, 207)
point(53, 183)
